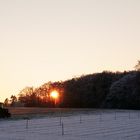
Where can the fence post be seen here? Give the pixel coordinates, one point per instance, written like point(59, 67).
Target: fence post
point(129, 114)
point(27, 123)
point(100, 116)
point(62, 129)
point(115, 115)
point(80, 119)
point(60, 121)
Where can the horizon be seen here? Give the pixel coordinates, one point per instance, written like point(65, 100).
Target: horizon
point(43, 41)
point(60, 81)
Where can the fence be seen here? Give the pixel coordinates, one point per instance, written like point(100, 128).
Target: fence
point(101, 124)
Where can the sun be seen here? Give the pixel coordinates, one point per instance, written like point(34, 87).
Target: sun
point(54, 94)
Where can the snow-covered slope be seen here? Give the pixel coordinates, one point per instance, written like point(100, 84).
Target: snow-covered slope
point(123, 93)
point(100, 125)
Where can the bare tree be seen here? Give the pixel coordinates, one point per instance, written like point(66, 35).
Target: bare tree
point(137, 67)
point(6, 102)
point(13, 100)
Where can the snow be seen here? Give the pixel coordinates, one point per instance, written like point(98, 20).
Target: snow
point(100, 125)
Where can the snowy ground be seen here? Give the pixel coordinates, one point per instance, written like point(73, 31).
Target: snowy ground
point(100, 125)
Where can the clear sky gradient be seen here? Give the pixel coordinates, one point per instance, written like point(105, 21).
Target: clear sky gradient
point(52, 40)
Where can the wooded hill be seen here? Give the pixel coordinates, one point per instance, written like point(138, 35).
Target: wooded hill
point(98, 90)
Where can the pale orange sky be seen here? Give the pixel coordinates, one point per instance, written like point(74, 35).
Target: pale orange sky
point(50, 40)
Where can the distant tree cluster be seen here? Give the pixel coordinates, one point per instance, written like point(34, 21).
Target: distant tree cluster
point(137, 67)
point(88, 91)
point(98, 90)
point(125, 93)
point(36, 97)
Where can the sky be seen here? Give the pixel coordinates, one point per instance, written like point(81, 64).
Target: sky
point(53, 40)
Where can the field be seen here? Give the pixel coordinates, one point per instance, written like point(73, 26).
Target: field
point(70, 124)
point(20, 112)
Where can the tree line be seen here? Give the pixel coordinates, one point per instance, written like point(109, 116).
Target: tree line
point(98, 90)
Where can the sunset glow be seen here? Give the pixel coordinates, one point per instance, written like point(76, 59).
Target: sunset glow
point(54, 94)
point(54, 40)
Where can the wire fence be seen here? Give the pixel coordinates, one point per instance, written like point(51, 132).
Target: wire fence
point(123, 125)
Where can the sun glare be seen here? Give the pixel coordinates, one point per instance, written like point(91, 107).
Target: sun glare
point(54, 94)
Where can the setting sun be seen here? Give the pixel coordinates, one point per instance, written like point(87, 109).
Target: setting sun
point(54, 94)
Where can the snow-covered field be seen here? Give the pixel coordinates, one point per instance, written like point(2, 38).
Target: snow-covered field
point(100, 125)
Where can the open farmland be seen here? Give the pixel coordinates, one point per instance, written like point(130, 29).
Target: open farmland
point(32, 112)
point(74, 124)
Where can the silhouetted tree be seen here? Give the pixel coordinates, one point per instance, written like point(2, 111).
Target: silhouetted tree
point(13, 100)
point(25, 96)
point(137, 67)
point(6, 102)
